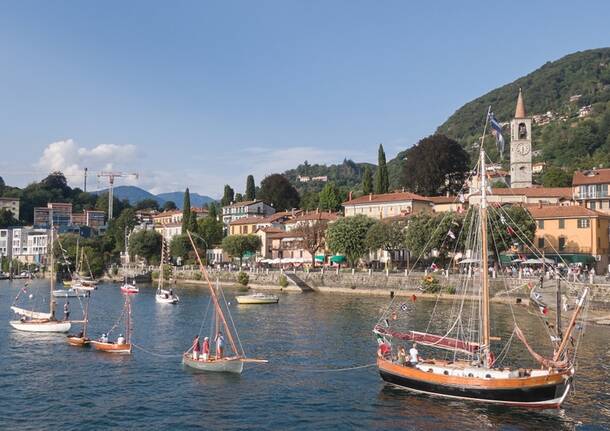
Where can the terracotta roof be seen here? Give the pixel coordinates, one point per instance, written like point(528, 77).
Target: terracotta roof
point(270, 229)
point(443, 199)
point(535, 192)
point(560, 211)
point(199, 210)
point(386, 197)
point(311, 216)
point(242, 203)
point(248, 220)
point(280, 214)
point(594, 176)
point(167, 213)
point(520, 109)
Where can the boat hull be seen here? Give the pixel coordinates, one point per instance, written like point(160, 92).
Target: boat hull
point(78, 341)
point(535, 392)
point(124, 349)
point(69, 293)
point(161, 299)
point(130, 290)
point(247, 299)
point(49, 326)
point(226, 365)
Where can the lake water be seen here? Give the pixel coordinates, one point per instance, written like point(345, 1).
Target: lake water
point(46, 384)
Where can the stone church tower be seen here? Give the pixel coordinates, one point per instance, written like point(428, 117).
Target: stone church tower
point(520, 147)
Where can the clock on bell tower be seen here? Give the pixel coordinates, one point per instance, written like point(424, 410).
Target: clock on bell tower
point(520, 147)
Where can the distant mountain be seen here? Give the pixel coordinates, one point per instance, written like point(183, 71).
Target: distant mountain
point(197, 200)
point(135, 194)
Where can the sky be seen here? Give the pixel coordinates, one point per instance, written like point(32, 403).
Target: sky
point(201, 94)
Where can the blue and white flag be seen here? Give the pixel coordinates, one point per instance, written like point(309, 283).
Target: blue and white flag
point(497, 132)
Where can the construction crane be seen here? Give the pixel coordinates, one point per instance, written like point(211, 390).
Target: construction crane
point(111, 176)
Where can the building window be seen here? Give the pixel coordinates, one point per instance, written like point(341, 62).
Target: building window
point(583, 223)
point(562, 223)
point(540, 242)
point(592, 205)
point(541, 224)
point(562, 243)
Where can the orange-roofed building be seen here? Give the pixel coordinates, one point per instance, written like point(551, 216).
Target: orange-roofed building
point(527, 196)
point(441, 204)
point(386, 205)
point(590, 189)
point(576, 233)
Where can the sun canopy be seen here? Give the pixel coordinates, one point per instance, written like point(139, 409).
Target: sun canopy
point(337, 259)
point(537, 261)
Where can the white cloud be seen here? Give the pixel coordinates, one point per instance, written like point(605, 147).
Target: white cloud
point(66, 156)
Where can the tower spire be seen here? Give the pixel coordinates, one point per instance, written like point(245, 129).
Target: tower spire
point(520, 110)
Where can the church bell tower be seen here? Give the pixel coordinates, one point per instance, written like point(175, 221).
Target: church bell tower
point(520, 147)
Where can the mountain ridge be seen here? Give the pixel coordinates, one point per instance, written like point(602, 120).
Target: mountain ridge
point(136, 194)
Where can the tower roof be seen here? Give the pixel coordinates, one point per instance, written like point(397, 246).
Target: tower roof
point(520, 110)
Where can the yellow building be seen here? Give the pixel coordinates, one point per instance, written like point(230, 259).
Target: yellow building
point(387, 205)
point(576, 233)
point(245, 226)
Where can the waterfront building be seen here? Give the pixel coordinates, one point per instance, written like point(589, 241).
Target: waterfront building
point(27, 244)
point(54, 214)
point(590, 189)
point(169, 223)
point(385, 205)
point(11, 204)
point(310, 217)
point(255, 208)
point(441, 204)
point(576, 233)
point(527, 195)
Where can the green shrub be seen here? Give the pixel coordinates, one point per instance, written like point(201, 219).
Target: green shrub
point(115, 270)
point(451, 290)
point(243, 278)
point(155, 275)
point(197, 276)
point(283, 281)
point(430, 284)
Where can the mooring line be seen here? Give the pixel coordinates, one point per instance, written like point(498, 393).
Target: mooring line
point(330, 370)
point(154, 353)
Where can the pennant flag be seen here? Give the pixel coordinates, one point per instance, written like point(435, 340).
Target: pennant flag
point(413, 298)
point(460, 210)
point(502, 219)
point(544, 310)
point(450, 234)
point(434, 266)
point(496, 129)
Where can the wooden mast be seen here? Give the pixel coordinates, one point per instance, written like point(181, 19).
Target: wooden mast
point(484, 257)
point(219, 312)
point(52, 300)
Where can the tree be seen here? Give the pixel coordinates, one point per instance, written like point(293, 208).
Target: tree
point(250, 188)
point(367, 181)
point(239, 197)
point(310, 200)
point(118, 227)
point(435, 165)
point(277, 190)
point(386, 235)
point(2, 186)
point(146, 244)
point(427, 232)
point(228, 197)
point(212, 210)
point(186, 211)
point(238, 245)
point(382, 181)
point(329, 197)
point(210, 230)
point(7, 219)
point(180, 247)
point(56, 180)
point(169, 206)
point(192, 222)
point(147, 204)
point(347, 236)
point(312, 237)
point(554, 176)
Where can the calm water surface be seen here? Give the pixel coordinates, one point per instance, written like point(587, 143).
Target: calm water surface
point(46, 384)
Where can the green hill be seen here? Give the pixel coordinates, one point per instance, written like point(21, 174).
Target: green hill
point(562, 88)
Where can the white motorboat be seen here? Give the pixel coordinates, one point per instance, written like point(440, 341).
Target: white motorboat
point(164, 296)
point(258, 298)
point(69, 293)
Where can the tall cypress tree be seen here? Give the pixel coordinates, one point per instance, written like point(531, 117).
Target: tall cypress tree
point(367, 181)
point(228, 196)
point(212, 211)
point(250, 188)
point(382, 180)
point(186, 211)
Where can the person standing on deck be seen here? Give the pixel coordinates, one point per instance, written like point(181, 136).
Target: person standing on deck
point(205, 348)
point(196, 347)
point(220, 341)
point(67, 310)
point(413, 355)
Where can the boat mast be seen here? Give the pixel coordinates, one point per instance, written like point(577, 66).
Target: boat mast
point(484, 246)
point(160, 286)
point(219, 312)
point(52, 300)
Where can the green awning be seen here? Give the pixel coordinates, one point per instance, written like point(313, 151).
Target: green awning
point(337, 259)
point(506, 259)
point(585, 259)
point(249, 254)
point(320, 258)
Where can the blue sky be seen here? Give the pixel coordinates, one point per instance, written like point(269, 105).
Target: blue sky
point(201, 94)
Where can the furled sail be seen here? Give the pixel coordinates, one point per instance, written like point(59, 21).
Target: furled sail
point(440, 341)
point(31, 314)
point(539, 358)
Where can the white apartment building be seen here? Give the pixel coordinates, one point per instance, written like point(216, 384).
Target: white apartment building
point(27, 244)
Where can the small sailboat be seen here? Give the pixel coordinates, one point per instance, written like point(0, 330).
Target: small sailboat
point(81, 339)
point(233, 359)
point(129, 287)
point(469, 369)
point(163, 295)
point(123, 343)
point(37, 321)
point(258, 298)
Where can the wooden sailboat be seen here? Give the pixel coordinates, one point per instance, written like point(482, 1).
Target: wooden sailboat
point(233, 361)
point(470, 371)
point(81, 339)
point(36, 321)
point(164, 296)
point(123, 344)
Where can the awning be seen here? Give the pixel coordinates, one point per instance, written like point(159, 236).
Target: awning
point(320, 258)
point(337, 259)
point(585, 259)
point(537, 261)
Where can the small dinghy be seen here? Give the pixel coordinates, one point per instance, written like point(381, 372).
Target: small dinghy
point(122, 344)
point(164, 296)
point(258, 298)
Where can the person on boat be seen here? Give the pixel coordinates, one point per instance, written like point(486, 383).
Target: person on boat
point(104, 338)
point(205, 349)
point(414, 355)
point(196, 347)
point(120, 339)
point(67, 310)
point(384, 350)
point(81, 334)
point(220, 341)
point(402, 356)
